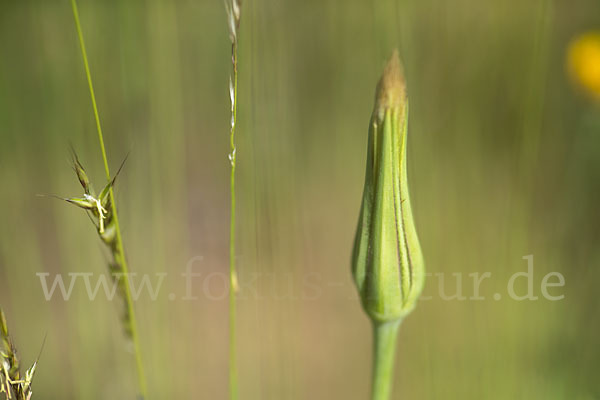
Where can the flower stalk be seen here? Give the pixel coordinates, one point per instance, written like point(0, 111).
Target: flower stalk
point(387, 262)
point(384, 350)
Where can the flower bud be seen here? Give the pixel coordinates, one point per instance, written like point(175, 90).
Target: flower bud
point(387, 262)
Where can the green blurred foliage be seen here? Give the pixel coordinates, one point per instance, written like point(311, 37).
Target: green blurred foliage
point(503, 163)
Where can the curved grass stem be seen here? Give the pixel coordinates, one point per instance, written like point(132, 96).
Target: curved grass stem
point(120, 252)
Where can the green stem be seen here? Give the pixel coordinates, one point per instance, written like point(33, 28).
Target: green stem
point(384, 352)
point(233, 379)
point(119, 248)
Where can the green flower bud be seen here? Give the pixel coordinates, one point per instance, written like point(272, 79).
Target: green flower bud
point(387, 262)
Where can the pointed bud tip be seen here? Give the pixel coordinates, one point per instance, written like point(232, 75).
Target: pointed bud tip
point(391, 89)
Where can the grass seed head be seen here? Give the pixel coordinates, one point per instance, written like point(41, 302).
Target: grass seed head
point(100, 212)
point(233, 9)
point(11, 383)
point(99, 208)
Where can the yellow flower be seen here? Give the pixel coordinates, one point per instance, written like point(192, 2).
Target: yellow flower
point(583, 59)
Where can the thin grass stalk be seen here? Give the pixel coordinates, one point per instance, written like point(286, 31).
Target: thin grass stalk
point(233, 379)
point(119, 253)
point(233, 8)
point(233, 385)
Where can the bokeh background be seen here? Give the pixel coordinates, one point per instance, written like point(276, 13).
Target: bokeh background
point(504, 162)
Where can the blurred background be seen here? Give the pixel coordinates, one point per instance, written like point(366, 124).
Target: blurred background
point(503, 160)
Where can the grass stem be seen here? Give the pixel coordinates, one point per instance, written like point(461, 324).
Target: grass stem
point(233, 380)
point(120, 252)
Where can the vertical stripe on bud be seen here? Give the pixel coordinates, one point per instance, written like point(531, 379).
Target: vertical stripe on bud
point(387, 262)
